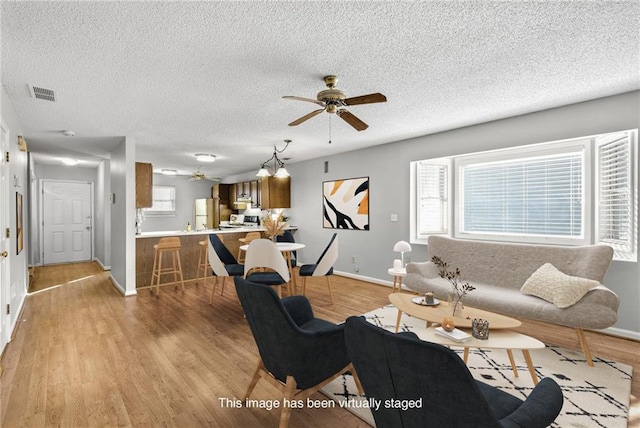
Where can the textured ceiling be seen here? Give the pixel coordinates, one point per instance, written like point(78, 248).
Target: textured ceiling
point(180, 78)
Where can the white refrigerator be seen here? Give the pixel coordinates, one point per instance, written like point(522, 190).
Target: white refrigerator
point(206, 214)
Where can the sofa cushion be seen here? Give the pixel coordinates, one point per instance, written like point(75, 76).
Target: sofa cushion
point(561, 289)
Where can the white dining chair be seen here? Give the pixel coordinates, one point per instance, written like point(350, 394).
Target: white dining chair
point(263, 253)
point(323, 267)
point(220, 270)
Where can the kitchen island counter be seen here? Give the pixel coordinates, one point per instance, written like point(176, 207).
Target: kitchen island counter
point(163, 233)
point(188, 253)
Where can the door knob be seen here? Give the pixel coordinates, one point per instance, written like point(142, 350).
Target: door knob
point(4, 254)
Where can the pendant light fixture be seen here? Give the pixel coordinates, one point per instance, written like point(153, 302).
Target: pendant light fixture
point(279, 169)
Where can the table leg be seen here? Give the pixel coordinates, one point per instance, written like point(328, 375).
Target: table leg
point(396, 284)
point(513, 363)
point(398, 320)
point(292, 280)
point(532, 370)
point(465, 355)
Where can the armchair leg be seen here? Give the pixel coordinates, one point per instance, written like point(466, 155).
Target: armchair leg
point(254, 380)
point(356, 379)
point(585, 346)
point(289, 393)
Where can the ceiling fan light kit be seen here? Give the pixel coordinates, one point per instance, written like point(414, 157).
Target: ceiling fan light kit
point(333, 101)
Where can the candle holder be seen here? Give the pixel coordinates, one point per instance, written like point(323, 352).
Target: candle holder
point(428, 298)
point(448, 324)
point(480, 328)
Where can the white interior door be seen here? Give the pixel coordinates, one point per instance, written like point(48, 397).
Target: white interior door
point(66, 221)
point(5, 244)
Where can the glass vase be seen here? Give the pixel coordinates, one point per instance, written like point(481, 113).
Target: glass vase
point(455, 302)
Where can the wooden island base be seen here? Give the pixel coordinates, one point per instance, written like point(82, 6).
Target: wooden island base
point(188, 254)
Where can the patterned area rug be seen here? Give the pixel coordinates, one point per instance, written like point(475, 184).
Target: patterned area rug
point(593, 396)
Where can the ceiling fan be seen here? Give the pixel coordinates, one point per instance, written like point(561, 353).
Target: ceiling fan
point(333, 100)
point(198, 175)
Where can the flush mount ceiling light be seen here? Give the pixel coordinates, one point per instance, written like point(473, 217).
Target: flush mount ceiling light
point(204, 157)
point(165, 171)
point(68, 133)
point(279, 169)
point(69, 161)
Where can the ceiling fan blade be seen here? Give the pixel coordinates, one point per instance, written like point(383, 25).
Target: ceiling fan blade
point(306, 117)
point(366, 99)
point(352, 120)
point(309, 100)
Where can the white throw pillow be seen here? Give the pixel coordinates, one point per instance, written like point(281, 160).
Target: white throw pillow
point(556, 287)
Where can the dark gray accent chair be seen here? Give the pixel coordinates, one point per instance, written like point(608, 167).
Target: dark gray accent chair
point(401, 366)
point(299, 354)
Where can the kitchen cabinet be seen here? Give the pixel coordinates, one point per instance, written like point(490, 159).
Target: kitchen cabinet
point(144, 185)
point(222, 192)
point(275, 192)
point(255, 187)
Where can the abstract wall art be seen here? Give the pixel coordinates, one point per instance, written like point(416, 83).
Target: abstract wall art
point(345, 204)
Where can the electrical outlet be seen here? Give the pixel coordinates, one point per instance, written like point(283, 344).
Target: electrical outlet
point(356, 269)
point(353, 259)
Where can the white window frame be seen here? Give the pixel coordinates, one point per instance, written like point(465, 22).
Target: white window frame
point(546, 149)
point(153, 211)
point(590, 193)
point(622, 251)
point(415, 199)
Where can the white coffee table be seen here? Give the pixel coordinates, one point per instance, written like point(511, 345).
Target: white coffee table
point(500, 334)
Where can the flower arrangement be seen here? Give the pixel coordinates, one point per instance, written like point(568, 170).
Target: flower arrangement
point(459, 288)
point(274, 226)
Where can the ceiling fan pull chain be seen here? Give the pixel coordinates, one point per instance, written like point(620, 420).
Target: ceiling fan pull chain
point(329, 129)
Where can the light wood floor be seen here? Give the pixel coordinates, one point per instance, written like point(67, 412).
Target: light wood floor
point(83, 355)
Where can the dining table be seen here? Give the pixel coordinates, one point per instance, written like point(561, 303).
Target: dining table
point(286, 248)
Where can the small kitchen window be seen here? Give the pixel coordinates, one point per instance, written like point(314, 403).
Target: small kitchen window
point(164, 201)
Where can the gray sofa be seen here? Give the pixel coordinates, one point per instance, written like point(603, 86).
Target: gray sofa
point(499, 270)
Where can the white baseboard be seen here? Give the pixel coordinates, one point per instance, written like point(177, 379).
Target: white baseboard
point(103, 267)
point(120, 288)
point(620, 332)
point(364, 278)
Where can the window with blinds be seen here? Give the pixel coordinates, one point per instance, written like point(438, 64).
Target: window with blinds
point(615, 216)
point(537, 196)
point(433, 197)
point(164, 201)
point(572, 192)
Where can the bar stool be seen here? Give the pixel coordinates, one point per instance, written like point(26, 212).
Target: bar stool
point(203, 261)
point(172, 246)
point(247, 240)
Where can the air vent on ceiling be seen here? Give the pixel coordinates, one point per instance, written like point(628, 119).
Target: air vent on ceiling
point(42, 93)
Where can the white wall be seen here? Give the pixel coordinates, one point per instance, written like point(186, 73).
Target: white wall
point(19, 183)
point(387, 167)
point(123, 211)
point(102, 222)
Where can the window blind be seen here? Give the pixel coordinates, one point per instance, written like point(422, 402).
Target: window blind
point(433, 212)
point(535, 196)
point(615, 197)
